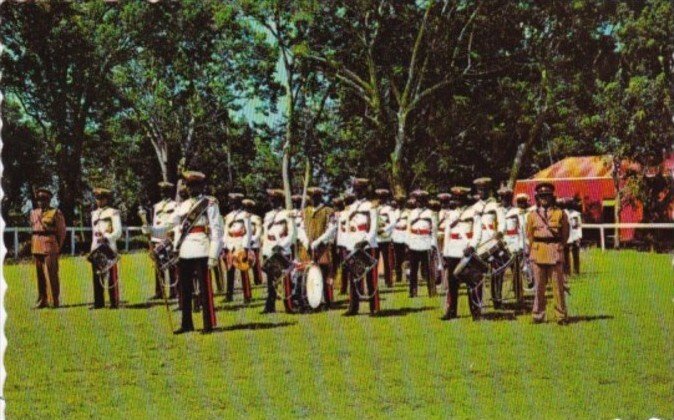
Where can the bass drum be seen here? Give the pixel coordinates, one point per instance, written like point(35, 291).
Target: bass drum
point(313, 286)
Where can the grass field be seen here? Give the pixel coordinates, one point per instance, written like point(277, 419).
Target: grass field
point(616, 359)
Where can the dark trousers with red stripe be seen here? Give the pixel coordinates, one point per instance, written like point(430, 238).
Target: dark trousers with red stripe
point(422, 258)
point(386, 253)
point(257, 267)
point(344, 279)
point(191, 269)
point(400, 253)
point(112, 285)
point(245, 282)
point(472, 279)
point(328, 284)
point(270, 303)
point(372, 280)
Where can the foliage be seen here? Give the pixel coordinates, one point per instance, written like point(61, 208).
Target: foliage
point(410, 93)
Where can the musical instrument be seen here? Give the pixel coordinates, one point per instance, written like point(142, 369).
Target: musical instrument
point(313, 285)
point(359, 263)
point(103, 258)
point(276, 265)
point(492, 254)
point(163, 255)
point(495, 253)
point(243, 260)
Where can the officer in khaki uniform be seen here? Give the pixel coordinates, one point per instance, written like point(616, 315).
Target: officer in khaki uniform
point(48, 233)
point(547, 232)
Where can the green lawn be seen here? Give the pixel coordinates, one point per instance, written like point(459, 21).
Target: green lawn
point(616, 360)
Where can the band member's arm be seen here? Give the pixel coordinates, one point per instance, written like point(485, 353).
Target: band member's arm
point(393, 219)
point(248, 239)
point(289, 240)
point(327, 236)
point(60, 223)
point(372, 234)
point(302, 236)
point(116, 228)
point(226, 220)
point(434, 232)
point(500, 220)
point(215, 231)
point(477, 231)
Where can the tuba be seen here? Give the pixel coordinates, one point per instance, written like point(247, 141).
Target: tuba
point(243, 260)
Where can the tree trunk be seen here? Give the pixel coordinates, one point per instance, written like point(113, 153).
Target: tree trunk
point(285, 169)
point(520, 158)
point(397, 177)
point(307, 180)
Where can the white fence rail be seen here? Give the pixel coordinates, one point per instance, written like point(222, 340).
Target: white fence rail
point(70, 235)
point(604, 226)
point(126, 237)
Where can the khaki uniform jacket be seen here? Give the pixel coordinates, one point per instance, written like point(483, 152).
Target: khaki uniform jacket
point(318, 229)
point(547, 232)
point(49, 231)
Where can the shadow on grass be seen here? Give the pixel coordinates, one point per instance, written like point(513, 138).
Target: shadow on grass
point(499, 316)
point(149, 304)
point(238, 307)
point(75, 305)
point(587, 318)
point(254, 326)
point(385, 313)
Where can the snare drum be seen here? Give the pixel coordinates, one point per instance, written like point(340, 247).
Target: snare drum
point(495, 253)
point(103, 258)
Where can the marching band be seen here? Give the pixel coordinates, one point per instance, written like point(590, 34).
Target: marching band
point(304, 252)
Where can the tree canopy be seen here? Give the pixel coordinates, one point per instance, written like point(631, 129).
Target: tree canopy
point(260, 94)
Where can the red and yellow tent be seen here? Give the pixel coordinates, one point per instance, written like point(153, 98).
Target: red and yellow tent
point(587, 177)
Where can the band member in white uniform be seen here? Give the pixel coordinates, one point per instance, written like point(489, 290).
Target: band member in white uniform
point(399, 234)
point(362, 233)
point(572, 248)
point(237, 239)
point(343, 239)
point(162, 216)
point(493, 222)
point(279, 236)
point(255, 238)
point(421, 239)
point(198, 249)
point(460, 239)
point(386, 219)
point(106, 225)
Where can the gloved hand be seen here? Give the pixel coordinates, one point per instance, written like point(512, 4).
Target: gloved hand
point(212, 262)
point(468, 251)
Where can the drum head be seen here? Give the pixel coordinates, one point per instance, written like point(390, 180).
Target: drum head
point(314, 285)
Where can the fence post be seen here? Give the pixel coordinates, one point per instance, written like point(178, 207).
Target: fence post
point(126, 239)
point(16, 243)
point(602, 240)
point(72, 241)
